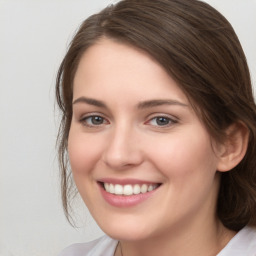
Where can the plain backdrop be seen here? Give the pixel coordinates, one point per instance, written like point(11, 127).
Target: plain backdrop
point(34, 36)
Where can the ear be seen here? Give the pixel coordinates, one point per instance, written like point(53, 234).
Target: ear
point(234, 148)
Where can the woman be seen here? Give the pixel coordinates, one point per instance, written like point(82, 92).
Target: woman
point(159, 128)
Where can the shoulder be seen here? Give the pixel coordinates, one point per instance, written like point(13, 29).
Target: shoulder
point(243, 243)
point(103, 246)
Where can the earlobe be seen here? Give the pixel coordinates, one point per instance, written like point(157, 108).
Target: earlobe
point(234, 148)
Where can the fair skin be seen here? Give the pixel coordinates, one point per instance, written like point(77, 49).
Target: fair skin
point(132, 124)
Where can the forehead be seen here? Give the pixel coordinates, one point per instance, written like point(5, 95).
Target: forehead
point(113, 66)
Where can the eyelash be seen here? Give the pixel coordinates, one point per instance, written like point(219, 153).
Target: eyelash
point(84, 121)
point(168, 121)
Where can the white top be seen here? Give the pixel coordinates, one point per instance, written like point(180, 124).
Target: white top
point(242, 244)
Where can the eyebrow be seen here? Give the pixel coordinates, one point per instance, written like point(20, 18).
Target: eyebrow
point(155, 103)
point(141, 105)
point(90, 101)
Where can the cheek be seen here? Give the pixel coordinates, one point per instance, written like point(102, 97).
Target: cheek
point(83, 151)
point(187, 156)
point(188, 164)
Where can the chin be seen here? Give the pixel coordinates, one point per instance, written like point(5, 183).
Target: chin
point(128, 231)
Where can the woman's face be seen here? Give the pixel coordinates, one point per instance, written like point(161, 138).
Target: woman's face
point(134, 132)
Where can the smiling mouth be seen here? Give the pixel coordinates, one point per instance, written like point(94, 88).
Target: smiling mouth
point(128, 189)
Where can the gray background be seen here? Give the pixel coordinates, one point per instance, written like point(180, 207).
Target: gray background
point(34, 37)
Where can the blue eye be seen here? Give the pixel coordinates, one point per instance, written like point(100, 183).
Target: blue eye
point(93, 121)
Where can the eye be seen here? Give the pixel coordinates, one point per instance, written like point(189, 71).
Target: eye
point(161, 121)
point(93, 120)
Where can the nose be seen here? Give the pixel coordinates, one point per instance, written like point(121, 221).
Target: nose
point(122, 149)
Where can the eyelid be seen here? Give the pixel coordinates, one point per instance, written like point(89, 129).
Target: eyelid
point(91, 115)
point(173, 120)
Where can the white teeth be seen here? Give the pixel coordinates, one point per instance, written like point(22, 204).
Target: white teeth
point(128, 189)
point(111, 189)
point(136, 189)
point(118, 189)
point(150, 188)
point(144, 188)
point(106, 186)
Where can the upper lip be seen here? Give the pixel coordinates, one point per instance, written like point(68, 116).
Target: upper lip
point(126, 181)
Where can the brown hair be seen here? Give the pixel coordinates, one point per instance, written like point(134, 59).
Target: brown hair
point(199, 48)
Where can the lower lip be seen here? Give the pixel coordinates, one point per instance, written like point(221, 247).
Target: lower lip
point(125, 201)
